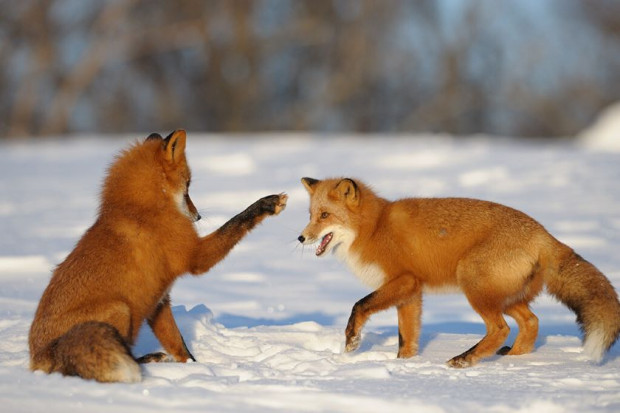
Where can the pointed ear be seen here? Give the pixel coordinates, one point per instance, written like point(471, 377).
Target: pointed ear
point(349, 191)
point(310, 184)
point(174, 146)
point(154, 136)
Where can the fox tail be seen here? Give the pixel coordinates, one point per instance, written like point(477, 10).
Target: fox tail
point(91, 350)
point(589, 294)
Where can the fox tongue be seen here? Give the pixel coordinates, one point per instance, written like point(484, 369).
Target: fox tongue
point(326, 239)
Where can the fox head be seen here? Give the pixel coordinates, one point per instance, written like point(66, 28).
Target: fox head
point(153, 174)
point(334, 205)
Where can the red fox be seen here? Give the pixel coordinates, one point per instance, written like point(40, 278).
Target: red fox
point(499, 257)
point(122, 269)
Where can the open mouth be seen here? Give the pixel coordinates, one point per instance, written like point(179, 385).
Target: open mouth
point(324, 243)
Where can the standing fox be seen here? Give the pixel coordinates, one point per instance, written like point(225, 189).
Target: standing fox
point(498, 257)
point(121, 271)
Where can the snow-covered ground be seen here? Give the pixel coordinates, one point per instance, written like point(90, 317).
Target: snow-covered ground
point(267, 324)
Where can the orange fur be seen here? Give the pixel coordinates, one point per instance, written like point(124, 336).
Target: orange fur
point(121, 271)
point(497, 256)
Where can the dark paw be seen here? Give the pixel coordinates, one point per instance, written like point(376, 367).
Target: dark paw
point(273, 204)
point(504, 350)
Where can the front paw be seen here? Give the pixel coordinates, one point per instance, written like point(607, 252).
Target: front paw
point(273, 204)
point(405, 353)
point(460, 362)
point(353, 337)
point(352, 343)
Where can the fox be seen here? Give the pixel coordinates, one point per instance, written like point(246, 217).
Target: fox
point(121, 271)
point(498, 257)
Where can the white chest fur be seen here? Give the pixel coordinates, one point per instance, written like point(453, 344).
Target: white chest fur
point(370, 274)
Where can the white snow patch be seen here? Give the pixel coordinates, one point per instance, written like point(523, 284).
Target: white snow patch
point(415, 161)
point(245, 277)
point(24, 264)
point(483, 176)
point(234, 164)
point(604, 133)
point(581, 241)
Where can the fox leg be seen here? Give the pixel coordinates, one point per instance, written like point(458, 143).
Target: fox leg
point(409, 320)
point(487, 294)
point(215, 246)
point(497, 332)
point(165, 329)
point(528, 330)
point(396, 292)
point(489, 307)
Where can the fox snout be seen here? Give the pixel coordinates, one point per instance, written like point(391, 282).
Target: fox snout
point(325, 241)
point(193, 211)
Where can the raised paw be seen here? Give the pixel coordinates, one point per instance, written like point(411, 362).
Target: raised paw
point(273, 204)
point(282, 198)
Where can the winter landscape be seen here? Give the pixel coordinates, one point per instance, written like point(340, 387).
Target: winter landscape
point(267, 324)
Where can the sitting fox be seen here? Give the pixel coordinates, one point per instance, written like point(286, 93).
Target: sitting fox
point(498, 257)
point(121, 271)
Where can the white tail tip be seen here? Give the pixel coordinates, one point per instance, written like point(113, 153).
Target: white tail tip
point(127, 371)
point(595, 345)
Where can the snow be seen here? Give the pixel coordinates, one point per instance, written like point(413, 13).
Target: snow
point(604, 133)
point(267, 324)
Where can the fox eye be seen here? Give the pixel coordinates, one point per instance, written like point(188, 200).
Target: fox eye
point(324, 215)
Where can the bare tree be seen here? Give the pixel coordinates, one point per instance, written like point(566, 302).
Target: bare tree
point(327, 65)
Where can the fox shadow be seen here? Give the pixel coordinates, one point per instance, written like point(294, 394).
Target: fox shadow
point(431, 331)
point(147, 342)
point(371, 337)
point(233, 321)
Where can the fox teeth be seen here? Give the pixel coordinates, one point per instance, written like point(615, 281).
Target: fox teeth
point(324, 242)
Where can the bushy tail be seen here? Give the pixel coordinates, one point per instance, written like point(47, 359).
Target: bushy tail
point(91, 350)
point(589, 294)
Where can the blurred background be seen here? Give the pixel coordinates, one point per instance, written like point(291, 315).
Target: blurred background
point(512, 67)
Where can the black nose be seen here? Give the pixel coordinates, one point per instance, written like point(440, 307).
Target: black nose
point(301, 238)
point(198, 217)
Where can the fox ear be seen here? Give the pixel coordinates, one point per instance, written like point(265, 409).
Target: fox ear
point(310, 184)
point(174, 146)
point(349, 191)
point(154, 136)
